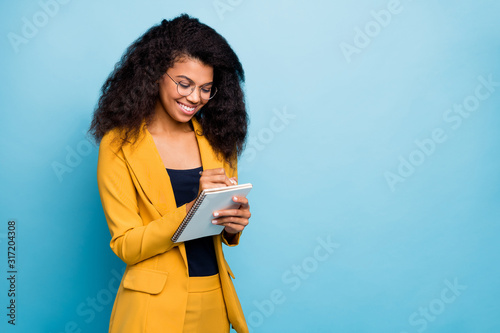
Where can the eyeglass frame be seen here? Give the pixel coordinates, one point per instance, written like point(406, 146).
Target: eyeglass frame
point(177, 84)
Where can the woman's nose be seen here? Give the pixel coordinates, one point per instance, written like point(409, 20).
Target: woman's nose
point(194, 97)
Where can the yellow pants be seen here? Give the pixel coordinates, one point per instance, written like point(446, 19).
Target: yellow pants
point(206, 310)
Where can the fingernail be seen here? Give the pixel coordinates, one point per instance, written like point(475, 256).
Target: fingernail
point(216, 214)
point(233, 181)
point(235, 199)
point(214, 221)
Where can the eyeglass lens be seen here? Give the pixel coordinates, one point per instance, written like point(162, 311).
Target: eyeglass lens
point(185, 88)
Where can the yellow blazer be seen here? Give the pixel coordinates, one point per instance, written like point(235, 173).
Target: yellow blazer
point(142, 216)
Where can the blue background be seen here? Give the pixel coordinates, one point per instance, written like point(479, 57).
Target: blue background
point(344, 102)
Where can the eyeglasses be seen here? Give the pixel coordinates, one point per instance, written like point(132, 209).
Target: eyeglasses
point(186, 88)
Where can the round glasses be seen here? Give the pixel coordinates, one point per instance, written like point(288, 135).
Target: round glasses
point(186, 87)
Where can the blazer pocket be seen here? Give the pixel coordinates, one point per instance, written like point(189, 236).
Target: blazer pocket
point(145, 280)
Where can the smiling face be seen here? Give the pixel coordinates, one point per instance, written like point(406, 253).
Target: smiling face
point(174, 107)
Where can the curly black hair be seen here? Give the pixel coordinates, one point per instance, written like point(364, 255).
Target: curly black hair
point(129, 94)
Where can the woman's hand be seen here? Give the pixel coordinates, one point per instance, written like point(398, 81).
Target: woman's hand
point(233, 220)
point(212, 178)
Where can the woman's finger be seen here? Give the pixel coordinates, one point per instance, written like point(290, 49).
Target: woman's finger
point(241, 200)
point(243, 220)
point(232, 212)
point(212, 178)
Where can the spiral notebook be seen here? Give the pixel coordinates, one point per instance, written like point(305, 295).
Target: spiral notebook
point(198, 221)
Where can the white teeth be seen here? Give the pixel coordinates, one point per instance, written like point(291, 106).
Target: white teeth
point(186, 107)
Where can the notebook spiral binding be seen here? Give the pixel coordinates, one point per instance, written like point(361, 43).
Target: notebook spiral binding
point(190, 214)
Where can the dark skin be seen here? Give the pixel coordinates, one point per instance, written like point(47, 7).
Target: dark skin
point(233, 220)
point(176, 141)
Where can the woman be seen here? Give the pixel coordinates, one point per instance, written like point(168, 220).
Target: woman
point(171, 122)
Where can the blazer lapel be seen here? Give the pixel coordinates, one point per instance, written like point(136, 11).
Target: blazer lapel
point(148, 168)
point(209, 159)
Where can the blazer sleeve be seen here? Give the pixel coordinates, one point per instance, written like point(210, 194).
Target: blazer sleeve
point(132, 240)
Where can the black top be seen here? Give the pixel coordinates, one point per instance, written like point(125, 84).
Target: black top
point(200, 252)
